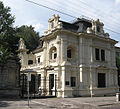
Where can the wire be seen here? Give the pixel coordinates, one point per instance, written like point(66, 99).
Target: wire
point(72, 6)
point(78, 10)
point(98, 10)
point(63, 13)
point(51, 8)
point(112, 30)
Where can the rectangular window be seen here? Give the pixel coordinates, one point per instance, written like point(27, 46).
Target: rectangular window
point(102, 55)
point(101, 80)
point(69, 55)
point(39, 60)
point(73, 81)
point(97, 54)
point(30, 62)
point(66, 82)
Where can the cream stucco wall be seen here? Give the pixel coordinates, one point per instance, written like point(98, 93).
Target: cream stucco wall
point(83, 65)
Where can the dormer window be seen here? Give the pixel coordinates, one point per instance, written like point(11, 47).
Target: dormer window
point(52, 24)
point(98, 29)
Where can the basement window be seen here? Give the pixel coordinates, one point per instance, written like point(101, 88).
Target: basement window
point(30, 62)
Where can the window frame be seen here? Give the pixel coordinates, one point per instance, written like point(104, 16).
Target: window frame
point(53, 53)
point(100, 54)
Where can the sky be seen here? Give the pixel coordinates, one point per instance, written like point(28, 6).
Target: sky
point(26, 13)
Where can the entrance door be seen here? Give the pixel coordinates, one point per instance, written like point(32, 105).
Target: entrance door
point(23, 84)
point(32, 84)
point(51, 83)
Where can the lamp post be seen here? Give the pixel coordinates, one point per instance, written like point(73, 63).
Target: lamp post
point(55, 87)
point(91, 83)
point(28, 80)
point(91, 93)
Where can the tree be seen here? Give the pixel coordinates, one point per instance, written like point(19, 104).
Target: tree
point(8, 38)
point(30, 36)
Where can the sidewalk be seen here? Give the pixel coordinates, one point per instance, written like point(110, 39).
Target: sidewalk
point(62, 103)
point(80, 103)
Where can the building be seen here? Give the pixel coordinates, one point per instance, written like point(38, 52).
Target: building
point(73, 59)
point(117, 49)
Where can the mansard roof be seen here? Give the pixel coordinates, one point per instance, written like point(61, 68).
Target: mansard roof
point(79, 25)
point(82, 26)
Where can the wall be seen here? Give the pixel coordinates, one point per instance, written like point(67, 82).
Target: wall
point(9, 77)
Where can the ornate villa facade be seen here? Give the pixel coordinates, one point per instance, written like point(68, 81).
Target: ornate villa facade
point(73, 59)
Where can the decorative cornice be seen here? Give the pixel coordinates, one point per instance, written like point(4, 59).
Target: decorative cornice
point(88, 35)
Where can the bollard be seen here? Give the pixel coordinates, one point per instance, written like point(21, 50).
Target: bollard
point(117, 97)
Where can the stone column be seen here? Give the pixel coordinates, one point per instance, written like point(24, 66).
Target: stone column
point(58, 49)
point(63, 50)
point(91, 68)
point(45, 53)
point(63, 80)
point(58, 60)
point(116, 82)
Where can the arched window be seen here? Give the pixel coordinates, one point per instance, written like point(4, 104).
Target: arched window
point(53, 53)
point(69, 53)
point(52, 24)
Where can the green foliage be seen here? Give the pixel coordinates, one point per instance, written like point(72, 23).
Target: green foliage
point(8, 38)
point(30, 36)
point(3, 54)
point(6, 20)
